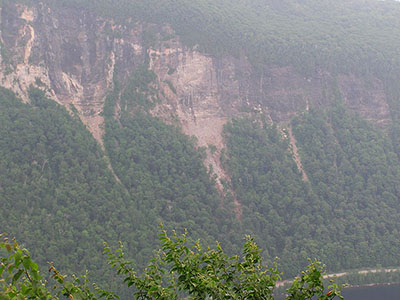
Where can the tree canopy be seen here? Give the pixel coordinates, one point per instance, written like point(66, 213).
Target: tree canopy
point(57, 185)
point(176, 272)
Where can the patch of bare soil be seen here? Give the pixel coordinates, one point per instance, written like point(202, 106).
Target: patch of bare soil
point(208, 132)
point(296, 155)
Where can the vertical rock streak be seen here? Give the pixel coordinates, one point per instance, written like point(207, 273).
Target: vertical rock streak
point(73, 55)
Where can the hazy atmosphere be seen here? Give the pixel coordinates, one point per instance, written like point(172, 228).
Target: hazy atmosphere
point(267, 130)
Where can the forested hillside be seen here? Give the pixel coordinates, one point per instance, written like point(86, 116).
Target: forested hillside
point(355, 170)
point(350, 37)
point(317, 179)
point(60, 198)
point(345, 212)
point(318, 32)
point(160, 166)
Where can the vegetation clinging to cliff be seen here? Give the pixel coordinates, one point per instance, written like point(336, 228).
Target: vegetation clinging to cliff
point(57, 188)
point(348, 205)
point(358, 35)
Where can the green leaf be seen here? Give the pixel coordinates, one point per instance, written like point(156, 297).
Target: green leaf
point(17, 257)
point(27, 262)
point(17, 276)
point(34, 266)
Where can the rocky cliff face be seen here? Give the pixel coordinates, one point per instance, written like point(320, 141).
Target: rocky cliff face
point(73, 55)
point(68, 53)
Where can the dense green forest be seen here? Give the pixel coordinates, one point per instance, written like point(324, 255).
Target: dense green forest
point(57, 194)
point(59, 197)
point(355, 169)
point(57, 188)
point(356, 35)
point(346, 214)
point(277, 205)
point(179, 270)
point(160, 166)
point(63, 198)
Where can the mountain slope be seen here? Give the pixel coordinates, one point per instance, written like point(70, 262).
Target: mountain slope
point(237, 76)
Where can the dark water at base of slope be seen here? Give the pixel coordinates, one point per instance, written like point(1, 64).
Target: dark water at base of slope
point(382, 292)
point(386, 292)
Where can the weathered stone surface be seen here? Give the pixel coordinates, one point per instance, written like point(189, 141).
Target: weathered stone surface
point(69, 53)
point(73, 55)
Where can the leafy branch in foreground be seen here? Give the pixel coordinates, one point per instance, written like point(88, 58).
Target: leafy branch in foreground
point(178, 271)
point(310, 284)
point(20, 278)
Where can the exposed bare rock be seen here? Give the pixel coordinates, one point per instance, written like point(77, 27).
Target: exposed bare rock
point(296, 156)
point(73, 55)
point(195, 95)
point(70, 54)
point(367, 98)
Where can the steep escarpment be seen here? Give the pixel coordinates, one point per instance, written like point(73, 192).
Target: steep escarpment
point(68, 53)
point(73, 54)
point(269, 154)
